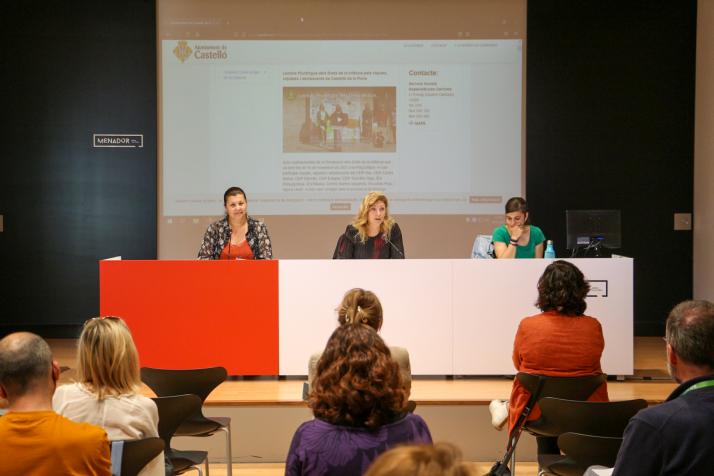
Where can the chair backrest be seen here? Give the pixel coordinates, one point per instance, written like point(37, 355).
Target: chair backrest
point(560, 416)
point(138, 453)
point(173, 411)
point(483, 247)
point(589, 450)
point(201, 382)
point(572, 388)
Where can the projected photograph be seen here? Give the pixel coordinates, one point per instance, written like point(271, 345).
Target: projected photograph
point(358, 119)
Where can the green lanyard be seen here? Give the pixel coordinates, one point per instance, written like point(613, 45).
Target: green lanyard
point(697, 386)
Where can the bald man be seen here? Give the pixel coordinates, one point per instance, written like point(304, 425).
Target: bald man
point(33, 438)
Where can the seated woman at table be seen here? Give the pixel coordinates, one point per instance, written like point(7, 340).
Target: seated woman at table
point(373, 233)
point(363, 307)
point(236, 235)
point(359, 403)
point(106, 393)
point(560, 342)
point(518, 238)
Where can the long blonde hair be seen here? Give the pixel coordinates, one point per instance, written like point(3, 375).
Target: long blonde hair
point(107, 360)
point(360, 221)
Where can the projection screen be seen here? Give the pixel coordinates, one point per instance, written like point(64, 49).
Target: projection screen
point(430, 95)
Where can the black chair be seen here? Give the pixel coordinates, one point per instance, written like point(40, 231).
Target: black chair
point(173, 411)
point(136, 454)
point(200, 382)
point(603, 422)
point(540, 386)
point(582, 451)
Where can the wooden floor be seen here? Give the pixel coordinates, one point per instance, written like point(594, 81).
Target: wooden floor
point(650, 383)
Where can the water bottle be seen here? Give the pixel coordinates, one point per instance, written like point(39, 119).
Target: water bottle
point(549, 250)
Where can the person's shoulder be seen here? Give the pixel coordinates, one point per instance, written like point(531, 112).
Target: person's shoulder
point(145, 403)
point(218, 224)
point(657, 416)
point(257, 222)
point(70, 391)
point(590, 321)
point(500, 233)
point(537, 234)
point(312, 363)
point(535, 319)
point(76, 431)
point(399, 353)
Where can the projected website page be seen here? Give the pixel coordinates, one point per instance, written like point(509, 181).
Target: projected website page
point(308, 127)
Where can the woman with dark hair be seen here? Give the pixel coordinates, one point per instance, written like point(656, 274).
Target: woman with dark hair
point(518, 238)
point(559, 342)
point(359, 405)
point(236, 235)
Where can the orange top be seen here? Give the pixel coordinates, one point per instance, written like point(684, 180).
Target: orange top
point(45, 443)
point(558, 346)
point(239, 251)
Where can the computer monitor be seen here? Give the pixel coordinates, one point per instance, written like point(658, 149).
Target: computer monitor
point(585, 226)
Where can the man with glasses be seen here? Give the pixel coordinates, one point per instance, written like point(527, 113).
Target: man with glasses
point(33, 438)
point(677, 437)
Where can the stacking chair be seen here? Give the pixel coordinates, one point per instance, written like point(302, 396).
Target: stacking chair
point(582, 451)
point(173, 411)
point(136, 454)
point(594, 432)
point(200, 382)
point(539, 386)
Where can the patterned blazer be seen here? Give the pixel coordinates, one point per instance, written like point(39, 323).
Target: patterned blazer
point(218, 235)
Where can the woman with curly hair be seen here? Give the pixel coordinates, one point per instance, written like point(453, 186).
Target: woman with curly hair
point(359, 405)
point(363, 307)
point(373, 234)
point(559, 342)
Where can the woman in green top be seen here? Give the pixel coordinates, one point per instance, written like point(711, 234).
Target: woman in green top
point(518, 238)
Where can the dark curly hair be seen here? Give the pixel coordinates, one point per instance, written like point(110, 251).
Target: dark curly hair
point(562, 288)
point(357, 384)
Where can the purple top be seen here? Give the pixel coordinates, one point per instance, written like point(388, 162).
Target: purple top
point(322, 448)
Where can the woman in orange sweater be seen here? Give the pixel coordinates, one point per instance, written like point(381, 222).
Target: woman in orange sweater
point(559, 342)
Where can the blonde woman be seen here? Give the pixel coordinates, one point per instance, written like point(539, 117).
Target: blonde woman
point(440, 459)
point(373, 234)
point(360, 306)
point(108, 382)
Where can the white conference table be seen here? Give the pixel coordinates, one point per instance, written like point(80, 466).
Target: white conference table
point(455, 317)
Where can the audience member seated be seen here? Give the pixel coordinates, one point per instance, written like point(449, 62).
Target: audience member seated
point(559, 342)
point(106, 393)
point(441, 459)
point(363, 307)
point(34, 439)
point(359, 402)
point(676, 437)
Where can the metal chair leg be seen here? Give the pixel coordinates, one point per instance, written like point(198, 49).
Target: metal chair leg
point(229, 452)
point(206, 463)
point(513, 462)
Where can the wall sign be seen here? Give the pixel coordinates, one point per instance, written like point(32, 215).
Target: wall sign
point(118, 140)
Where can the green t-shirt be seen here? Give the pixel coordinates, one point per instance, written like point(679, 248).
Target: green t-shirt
point(537, 237)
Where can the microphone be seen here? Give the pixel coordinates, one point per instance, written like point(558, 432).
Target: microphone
point(384, 237)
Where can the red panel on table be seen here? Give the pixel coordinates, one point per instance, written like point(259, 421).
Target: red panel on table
point(192, 314)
